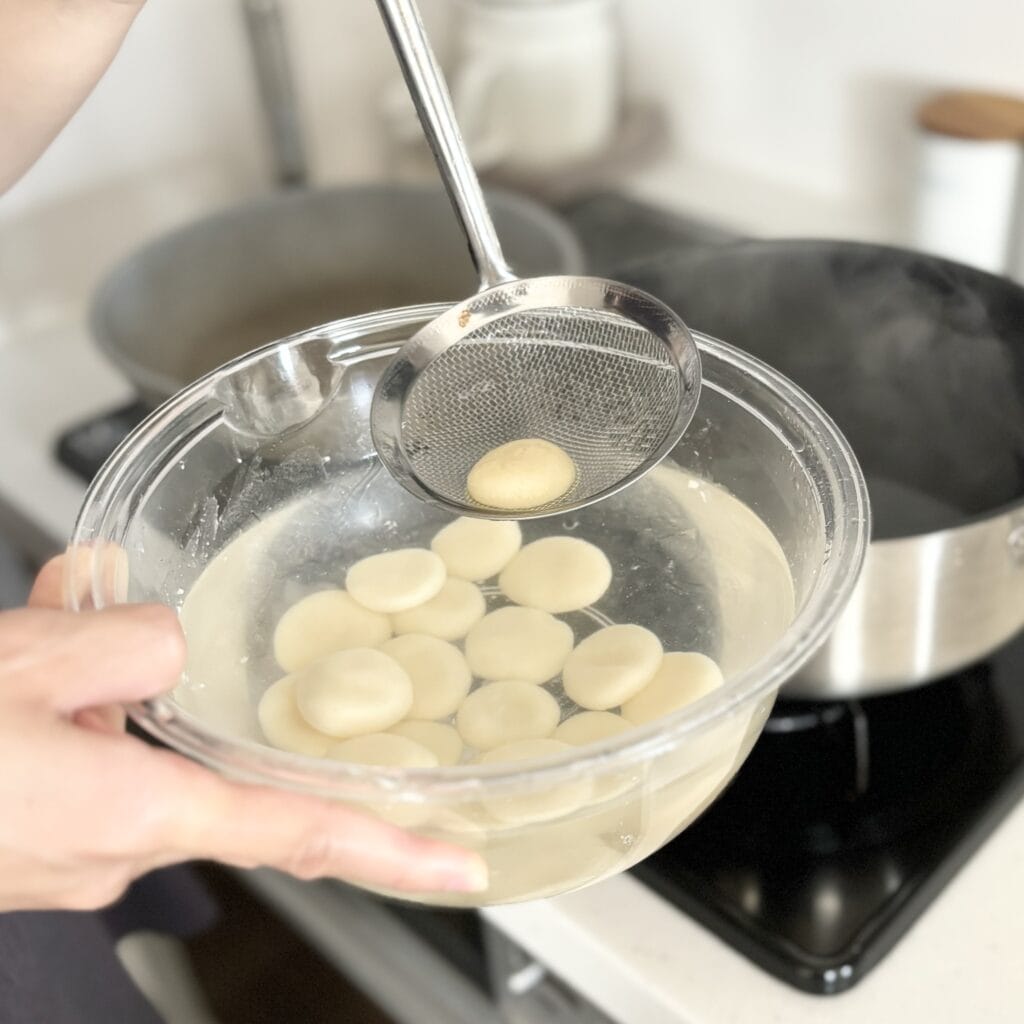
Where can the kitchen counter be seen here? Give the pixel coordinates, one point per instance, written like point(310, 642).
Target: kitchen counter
point(634, 955)
point(49, 380)
point(643, 962)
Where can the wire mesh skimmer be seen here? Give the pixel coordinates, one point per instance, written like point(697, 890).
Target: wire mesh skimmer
point(605, 371)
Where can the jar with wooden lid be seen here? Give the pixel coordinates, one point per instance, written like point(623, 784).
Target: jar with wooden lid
point(968, 180)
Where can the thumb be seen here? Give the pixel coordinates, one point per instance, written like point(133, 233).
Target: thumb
point(98, 565)
point(46, 591)
point(73, 660)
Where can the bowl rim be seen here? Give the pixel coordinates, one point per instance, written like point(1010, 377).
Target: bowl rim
point(256, 762)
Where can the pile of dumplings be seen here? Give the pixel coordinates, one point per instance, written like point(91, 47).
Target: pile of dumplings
point(406, 667)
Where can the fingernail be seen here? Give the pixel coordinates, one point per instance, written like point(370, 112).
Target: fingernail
point(472, 876)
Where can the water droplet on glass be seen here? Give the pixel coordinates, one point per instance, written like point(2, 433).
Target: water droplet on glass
point(1016, 542)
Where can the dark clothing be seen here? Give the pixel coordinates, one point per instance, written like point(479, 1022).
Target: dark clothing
point(59, 967)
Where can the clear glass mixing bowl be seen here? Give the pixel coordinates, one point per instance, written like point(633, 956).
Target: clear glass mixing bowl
point(259, 483)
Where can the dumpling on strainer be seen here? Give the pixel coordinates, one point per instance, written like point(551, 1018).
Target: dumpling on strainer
point(521, 474)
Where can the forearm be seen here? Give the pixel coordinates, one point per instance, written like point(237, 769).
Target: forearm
point(52, 53)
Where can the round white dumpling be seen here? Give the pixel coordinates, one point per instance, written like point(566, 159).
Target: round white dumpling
point(505, 712)
point(681, 679)
point(521, 474)
point(541, 805)
point(611, 666)
point(557, 574)
point(384, 749)
point(443, 741)
point(590, 726)
point(353, 692)
point(518, 643)
point(323, 623)
point(439, 673)
point(449, 615)
point(282, 724)
point(476, 549)
point(395, 581)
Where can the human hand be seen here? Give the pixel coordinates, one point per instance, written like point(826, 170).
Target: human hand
point(52, 52)
point(85, 808)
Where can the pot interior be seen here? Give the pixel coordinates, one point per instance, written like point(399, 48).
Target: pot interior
point(920, 361)
point(229, 283)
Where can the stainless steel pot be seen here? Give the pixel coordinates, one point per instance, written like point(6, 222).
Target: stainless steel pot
point(921, 363)
point(193, 299)
point(924, 606)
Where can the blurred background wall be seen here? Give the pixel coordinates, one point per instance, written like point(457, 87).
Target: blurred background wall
point(783, 116)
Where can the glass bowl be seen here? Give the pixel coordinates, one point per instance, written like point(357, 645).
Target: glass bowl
point(259, 484)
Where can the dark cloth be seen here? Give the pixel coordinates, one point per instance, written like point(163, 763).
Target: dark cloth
point(59, 967)
point(173, 901)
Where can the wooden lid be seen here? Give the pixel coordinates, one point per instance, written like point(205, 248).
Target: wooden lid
point(973, 115)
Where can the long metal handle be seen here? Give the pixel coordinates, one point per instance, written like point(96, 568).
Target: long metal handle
point(265, 22)
point(434, 106)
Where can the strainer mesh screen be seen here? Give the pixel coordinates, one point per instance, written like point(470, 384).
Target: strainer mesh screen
point(598, 384)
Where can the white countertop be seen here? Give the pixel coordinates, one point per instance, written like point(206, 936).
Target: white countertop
point(644, 962)
point(48, 382)
point(634, 955)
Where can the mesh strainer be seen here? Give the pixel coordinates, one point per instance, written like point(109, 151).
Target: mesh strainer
point(605, 371)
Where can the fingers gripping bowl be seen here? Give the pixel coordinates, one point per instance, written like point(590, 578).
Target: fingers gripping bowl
point(258, 485)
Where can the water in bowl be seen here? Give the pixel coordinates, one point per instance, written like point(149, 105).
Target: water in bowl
point(691, 563)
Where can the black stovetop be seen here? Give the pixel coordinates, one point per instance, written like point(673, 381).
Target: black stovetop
point(848, 818)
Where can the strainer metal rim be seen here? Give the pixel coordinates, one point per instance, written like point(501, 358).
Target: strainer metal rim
point(595, 294)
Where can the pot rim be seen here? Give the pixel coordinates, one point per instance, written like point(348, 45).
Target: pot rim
point(156, 385)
